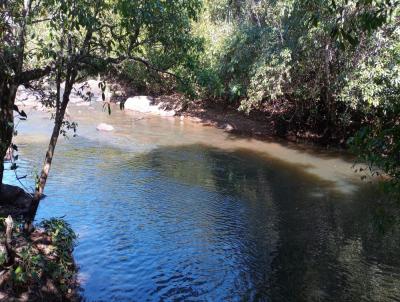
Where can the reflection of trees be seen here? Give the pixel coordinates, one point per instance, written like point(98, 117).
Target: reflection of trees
point(330, 247)
point(325, 244)
point(238, 218)
point(290, 237)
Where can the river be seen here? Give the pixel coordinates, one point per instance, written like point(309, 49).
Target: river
point(169, 210)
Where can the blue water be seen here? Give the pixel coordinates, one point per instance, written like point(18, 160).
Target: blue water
point(195, 222)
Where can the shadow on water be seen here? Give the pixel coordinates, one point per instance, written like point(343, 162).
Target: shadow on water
point(196, 222)
point(307, 241)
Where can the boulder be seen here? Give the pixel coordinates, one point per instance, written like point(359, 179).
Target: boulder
point(9, 193)
point(14, 201)
point(104, 127)
point(145, 104)
point(26, 97)
point(141, 104)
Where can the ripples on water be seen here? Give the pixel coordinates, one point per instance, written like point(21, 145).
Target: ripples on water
point(197, 223)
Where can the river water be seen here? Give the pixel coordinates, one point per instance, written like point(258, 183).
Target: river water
point(169, 210)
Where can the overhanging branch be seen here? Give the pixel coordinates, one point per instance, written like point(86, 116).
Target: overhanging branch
point(150, 66)
point(119, 60)
point(33, 74)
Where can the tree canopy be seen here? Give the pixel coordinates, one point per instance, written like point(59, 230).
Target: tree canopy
point(327, 67)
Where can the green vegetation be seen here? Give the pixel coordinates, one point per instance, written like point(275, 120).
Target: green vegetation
point(329, 68)
point(43, 267)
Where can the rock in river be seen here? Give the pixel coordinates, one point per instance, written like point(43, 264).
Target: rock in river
point(104, 127)
point(145, 104)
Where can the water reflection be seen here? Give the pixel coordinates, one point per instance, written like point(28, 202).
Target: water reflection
point(314, 243)
point(196, 222)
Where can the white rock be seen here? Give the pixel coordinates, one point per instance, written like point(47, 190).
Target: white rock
point(75, 99)
point(229, 128)
point(104, 127)
point(82, 104)
point(144, 104)
point(140, 103)
point(26, 97)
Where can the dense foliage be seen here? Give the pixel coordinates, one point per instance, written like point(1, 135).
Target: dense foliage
point(329, 68)
point(43, 268)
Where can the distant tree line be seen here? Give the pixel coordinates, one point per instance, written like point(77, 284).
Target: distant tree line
point(331, 68)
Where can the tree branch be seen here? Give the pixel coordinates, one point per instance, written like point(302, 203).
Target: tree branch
point(132, 58)
point(34, 74)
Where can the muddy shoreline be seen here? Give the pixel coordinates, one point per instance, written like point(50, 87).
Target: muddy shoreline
point(265, 126)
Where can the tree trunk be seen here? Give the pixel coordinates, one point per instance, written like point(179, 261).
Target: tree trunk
point(49, 158)
point(8, 90)
point(8, 242)
point(43, 175)
point(328, 104)
point(6, 245)
point(7, 98)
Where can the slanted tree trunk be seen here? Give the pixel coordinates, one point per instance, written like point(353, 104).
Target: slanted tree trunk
point(61, 106)
point(50, 151)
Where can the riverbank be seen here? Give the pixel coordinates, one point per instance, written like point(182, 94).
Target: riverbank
point(39, 267)
point(270, 123)
point(274, 120)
